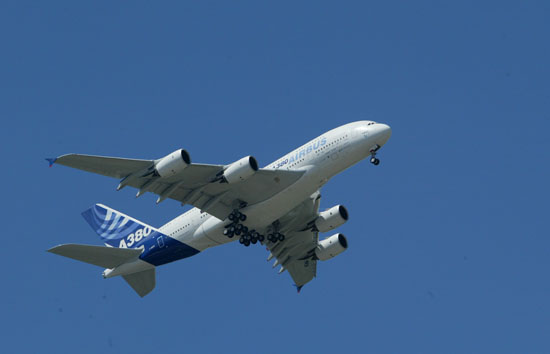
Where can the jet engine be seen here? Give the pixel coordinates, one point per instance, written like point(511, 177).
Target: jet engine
point(331, 218)
point(173, 163)
point(331, 246)
point(240, 170)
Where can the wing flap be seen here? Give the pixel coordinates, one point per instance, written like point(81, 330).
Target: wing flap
point(302, 271)
point(296, 252)
point(294, 255)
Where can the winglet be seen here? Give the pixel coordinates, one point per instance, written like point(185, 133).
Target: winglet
point(298, 288)
point(51, 161)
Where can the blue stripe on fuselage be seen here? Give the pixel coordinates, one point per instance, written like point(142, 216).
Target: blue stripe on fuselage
point(160, 249)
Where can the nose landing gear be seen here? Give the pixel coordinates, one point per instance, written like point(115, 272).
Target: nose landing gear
point(373, 158)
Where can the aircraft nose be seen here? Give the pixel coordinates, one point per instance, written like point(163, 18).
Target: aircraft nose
point(386, 132)
point(382, 133)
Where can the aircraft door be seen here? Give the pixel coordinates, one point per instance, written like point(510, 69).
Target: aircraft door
point(160, 241)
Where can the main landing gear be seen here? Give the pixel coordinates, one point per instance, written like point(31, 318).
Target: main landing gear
point(275, 237)
point(236, 228)
point(373, 158)
point(247, 237)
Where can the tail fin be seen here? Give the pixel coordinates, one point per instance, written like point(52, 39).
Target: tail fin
point(143, 282)
point(115, 228)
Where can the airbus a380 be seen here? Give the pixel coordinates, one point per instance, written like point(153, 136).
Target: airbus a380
point(277, 206)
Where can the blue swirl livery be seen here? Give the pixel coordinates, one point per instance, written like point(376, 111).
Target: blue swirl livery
point(122, 231)
point(114, 228)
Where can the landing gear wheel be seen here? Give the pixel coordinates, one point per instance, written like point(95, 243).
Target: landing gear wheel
point(373, 158)
point(261, 238)
point(242, 217)
point(270, 237)
point(253, 240)
point(237, 232)
point(231, 217)
point(246, 243)
point(241, 240)
point(245, 229)
point(281, 237)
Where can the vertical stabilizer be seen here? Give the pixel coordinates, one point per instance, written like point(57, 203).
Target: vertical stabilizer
point(143, 282)
point(115, 228)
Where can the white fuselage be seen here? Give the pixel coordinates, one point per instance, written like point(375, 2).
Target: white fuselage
point(320, 159)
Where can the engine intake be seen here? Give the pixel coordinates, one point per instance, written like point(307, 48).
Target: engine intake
point(240, 170)
point(331, 218)
point(173, 163)
point(331, 246)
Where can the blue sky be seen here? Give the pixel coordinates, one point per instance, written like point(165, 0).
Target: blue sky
point(449, 248)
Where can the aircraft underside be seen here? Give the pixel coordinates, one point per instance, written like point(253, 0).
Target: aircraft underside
point(276, 206)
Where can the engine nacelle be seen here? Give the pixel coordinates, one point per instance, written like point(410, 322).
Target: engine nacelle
point(331, 246)
point(331, 218)
point(172, 164)
point(240, 170)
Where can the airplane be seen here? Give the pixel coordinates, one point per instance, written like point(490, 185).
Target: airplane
point(276, 206)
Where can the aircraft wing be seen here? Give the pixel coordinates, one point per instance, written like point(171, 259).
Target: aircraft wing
point(196, 185)
point(296, 253)
point(103, 165)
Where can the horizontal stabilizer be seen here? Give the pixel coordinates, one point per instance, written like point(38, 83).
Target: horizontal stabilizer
point(143, 282)
point(106, 257)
